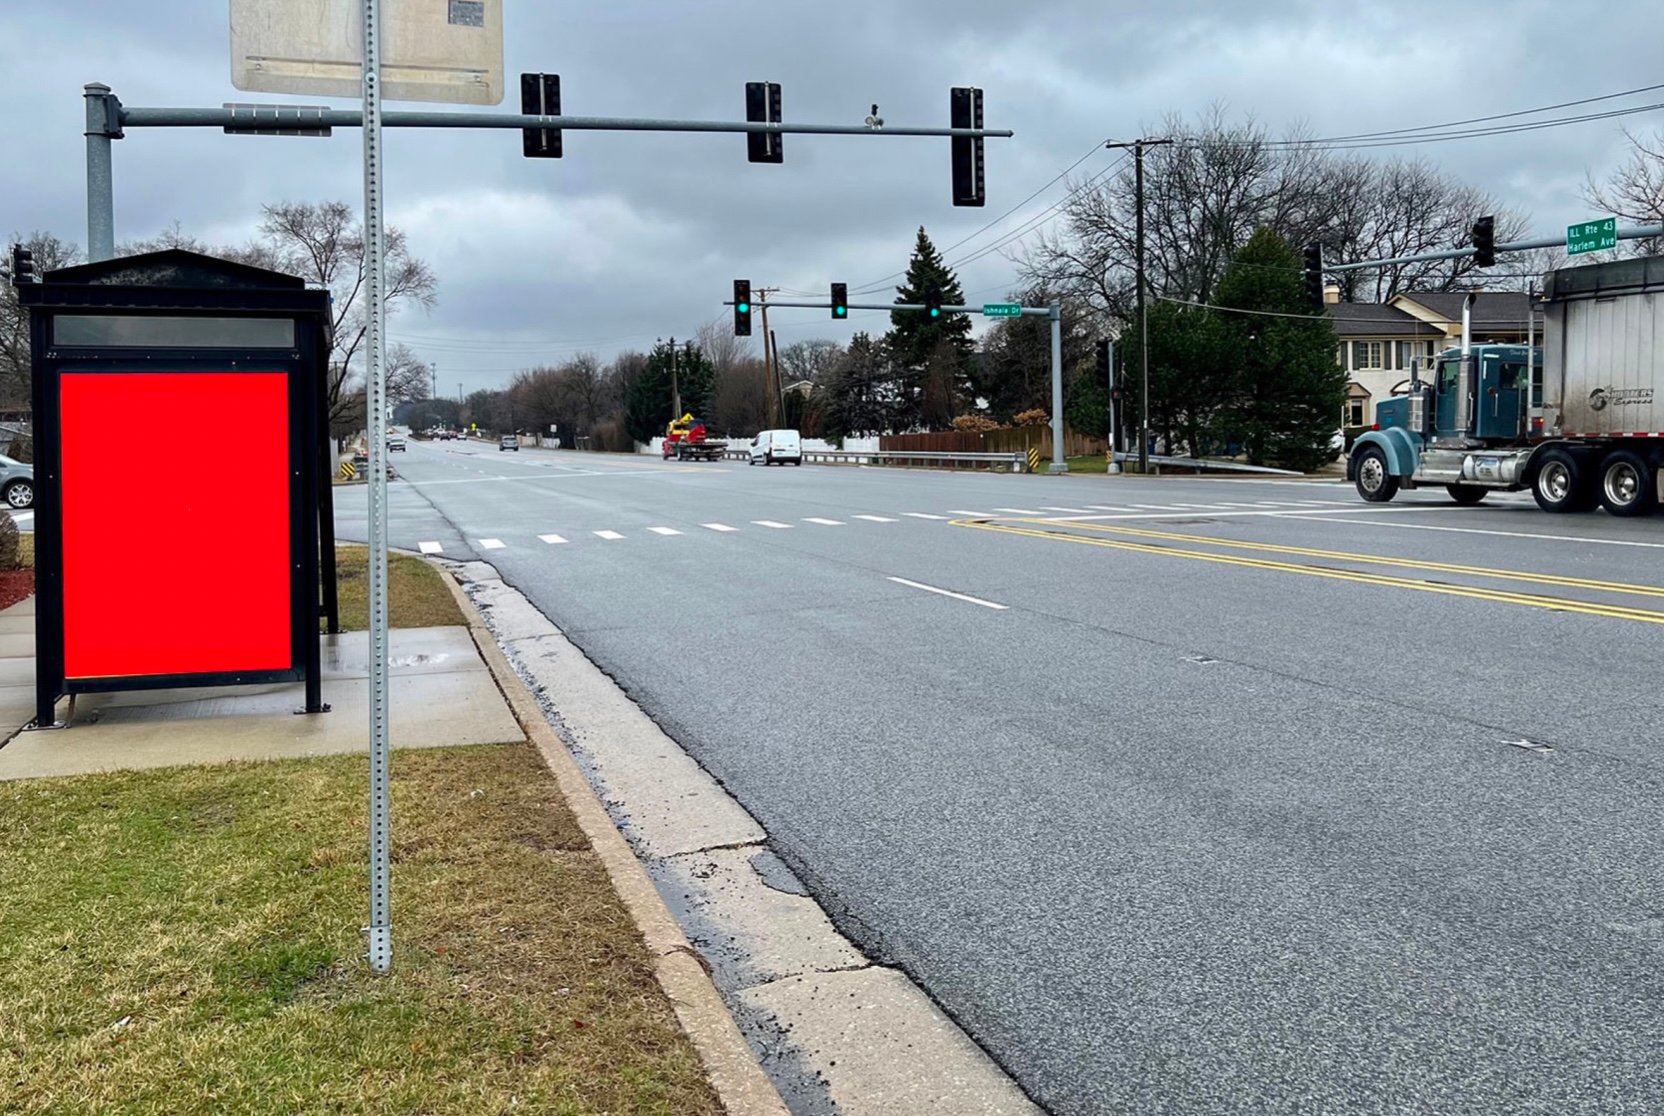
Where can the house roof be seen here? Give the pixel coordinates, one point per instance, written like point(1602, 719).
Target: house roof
point(1491, 309)
point(1369, 319)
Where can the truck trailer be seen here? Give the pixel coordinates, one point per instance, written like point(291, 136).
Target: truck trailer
point(1579, 421)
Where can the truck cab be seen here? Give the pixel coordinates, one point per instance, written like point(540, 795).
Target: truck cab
point(1469, 426)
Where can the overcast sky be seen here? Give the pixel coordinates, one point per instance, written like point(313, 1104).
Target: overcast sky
point(636, 236)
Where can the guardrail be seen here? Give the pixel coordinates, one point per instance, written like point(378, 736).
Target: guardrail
point(1017, 461)
point(1204, 463)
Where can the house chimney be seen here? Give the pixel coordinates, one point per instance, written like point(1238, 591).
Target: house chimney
point(1331, 294)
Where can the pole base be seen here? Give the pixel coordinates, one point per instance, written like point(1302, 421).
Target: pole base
point(1057, 467)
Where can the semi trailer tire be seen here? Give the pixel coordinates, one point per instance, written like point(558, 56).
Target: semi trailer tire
point(1562, 483)
point(1628, 484)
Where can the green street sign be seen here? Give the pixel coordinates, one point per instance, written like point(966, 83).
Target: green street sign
point(1592, 236)
point(1001, 310)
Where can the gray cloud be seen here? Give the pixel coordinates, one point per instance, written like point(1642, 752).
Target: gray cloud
point(635, 236)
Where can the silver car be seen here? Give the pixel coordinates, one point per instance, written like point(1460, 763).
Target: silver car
point(17, 483)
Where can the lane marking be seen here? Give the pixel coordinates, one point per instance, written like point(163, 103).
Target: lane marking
point(948, 593)
point(718, 527)
point(773, 524)
point(1498, 596)
point(1157, 507)
point(972, 514)
point(1481, 531)
point(1386, 560)
point(877, 518)
point(1270, 513)
point(823, 522)
point(431, 548)
point(609, 535)
point(664, 530)
point(1018, 511)
point(1071, 511)
point(552, 540)
point(922, 515)
point(492, 544)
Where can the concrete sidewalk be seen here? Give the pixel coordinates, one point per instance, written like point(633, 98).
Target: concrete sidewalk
point(442, 695)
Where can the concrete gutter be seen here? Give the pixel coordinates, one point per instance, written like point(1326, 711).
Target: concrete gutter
point(837, 1034)
point(740, 1083)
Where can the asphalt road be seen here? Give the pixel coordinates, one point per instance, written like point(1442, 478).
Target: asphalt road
point(1246, 797)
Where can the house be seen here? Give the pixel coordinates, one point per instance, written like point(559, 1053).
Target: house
point(1379, 340)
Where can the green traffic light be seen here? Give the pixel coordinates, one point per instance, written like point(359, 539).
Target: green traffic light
point(935, 312)
point(744, 308)
point(840, 311)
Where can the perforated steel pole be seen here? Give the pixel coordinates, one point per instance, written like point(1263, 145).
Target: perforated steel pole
point(381, 917)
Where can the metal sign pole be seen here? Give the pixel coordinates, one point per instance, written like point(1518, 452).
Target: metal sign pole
point(1059, 463)
point(381, 922)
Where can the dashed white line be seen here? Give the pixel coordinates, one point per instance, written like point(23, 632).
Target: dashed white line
point(923, 515)
point(718, 527)
point(609, 535)
point(552, 540)
point(972, 514)
point(773, 524)
point(948, 593)
point(1157, 507)
point(492, 544)
point(822, 522)
point(877, 518)
point(1018, 511)
point(664, 530)
point(431, 548)
point(1071, 511)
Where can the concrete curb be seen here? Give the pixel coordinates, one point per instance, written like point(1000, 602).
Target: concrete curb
point(740, 1083)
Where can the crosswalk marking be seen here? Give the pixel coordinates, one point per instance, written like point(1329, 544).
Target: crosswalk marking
point(1071, 511)
point(431, 548)
point(664, 530)
point(1018, 511)
point(972, 514)
point(773, 524)
point(878, 519)
point(718, 527)
point(823, 522)
point(552, 540)
point(922, 515)
point(492, 544)
point(1157, 507)
point(608, 535)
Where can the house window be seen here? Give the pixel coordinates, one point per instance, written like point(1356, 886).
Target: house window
point(1367, 354)
point(1356, 412)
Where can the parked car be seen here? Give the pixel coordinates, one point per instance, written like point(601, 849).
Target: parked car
point(395, 442)
point(17, 483)
point(509, 442)
point(771, 446)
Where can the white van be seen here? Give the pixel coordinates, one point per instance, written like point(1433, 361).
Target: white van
point(776, 445)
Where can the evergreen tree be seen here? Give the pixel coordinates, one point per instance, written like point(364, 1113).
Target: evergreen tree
point(648, 400)
point(859, 397)
point(1192, 383)
point(1289, 390)
point(932, 355)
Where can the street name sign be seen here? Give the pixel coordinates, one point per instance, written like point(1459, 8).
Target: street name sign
point(1592, 236)
point(1001, 310)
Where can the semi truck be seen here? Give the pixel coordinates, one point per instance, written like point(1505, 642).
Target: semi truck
point(1579, 421)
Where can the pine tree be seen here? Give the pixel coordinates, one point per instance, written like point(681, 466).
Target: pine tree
point(933, 355)
point(1289, 389)
point(647, 405)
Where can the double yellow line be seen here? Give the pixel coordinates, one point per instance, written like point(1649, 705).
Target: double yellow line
point(1130, 536)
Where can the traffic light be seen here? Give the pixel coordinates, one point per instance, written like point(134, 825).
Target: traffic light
point(965, 111)
point(1484, 241)
point(1312, 272)
point(762, 106)
point(840, 301)
point(540, 96)
point(742, 308)
point(1103, 361)
point(23, 265)
point(933, 301)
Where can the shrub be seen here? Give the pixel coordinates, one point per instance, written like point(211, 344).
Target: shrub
point(1035, 417)
point(975, 423)
point(8, 543)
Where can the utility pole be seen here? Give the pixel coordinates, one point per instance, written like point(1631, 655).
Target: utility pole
point(675, 386)
point(771, 383)
point(779, 385)
point(1138, 147)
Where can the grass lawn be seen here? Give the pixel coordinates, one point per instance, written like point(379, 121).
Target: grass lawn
point(188, 941)
point(1092, 463)
point(416, 593)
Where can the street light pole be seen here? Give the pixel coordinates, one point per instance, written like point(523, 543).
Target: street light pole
point(1138, 147)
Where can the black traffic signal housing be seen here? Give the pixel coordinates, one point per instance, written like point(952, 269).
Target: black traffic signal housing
point(965, 111)
point(1312, 273)
point(840, 301)
point(1484, 242)
point(540, 96)
point(23, 266)
point(742, 308)
point(1103, 361)
point(932, 299)
point(762, 106)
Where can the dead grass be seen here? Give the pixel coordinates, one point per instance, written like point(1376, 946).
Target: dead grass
point(417, 596)
point(188, 941)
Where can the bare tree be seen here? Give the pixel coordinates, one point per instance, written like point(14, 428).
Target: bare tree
point(809, 360)
point(1634, 192)
point(50, 253)
point(739, 401)
point(717, 341)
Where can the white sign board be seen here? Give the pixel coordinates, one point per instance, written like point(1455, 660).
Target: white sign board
point(431, 50)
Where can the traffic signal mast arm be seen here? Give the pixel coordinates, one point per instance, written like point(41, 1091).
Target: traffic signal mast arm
point(1026, 312)
point(1640, 232)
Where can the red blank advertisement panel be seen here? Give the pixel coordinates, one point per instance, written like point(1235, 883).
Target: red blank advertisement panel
point(176, 523)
